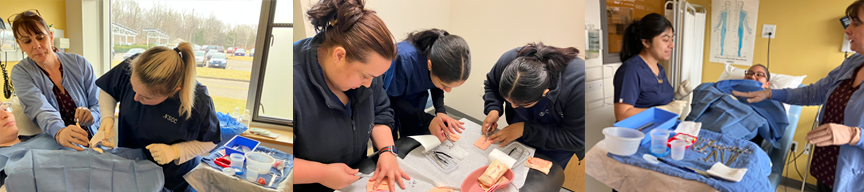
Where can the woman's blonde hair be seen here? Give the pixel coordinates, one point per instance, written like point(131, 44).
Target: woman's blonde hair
point(163, 70)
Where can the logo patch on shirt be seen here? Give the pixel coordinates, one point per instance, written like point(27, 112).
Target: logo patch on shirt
point(621, 100)
point(170, 118)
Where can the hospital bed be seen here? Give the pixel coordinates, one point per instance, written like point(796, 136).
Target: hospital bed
point(779, 155)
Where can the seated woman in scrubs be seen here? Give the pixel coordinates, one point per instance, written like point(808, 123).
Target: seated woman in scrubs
point(427, 61)
point(339, 104)
point(56, 89)
point(641, 83)
point(543, 90)
point(163, 109)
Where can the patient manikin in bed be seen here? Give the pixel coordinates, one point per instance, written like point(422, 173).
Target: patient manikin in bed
point(35, 162)
point(719, 111)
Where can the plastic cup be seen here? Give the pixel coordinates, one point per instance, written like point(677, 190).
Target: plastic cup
point(229, 171)
point(237, 160)
point(658, 140)
point(252, 173)
point(678, 149)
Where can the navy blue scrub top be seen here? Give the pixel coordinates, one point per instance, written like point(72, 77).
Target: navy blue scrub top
point(141, 125)
point(408, 75)
point(636, 84)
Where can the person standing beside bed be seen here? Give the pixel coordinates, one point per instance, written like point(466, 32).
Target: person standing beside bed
point(163, 109)
point(57, 90)
point(839, 153)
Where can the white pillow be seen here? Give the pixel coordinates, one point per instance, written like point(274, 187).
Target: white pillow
point(24, 124)
point(778, 81)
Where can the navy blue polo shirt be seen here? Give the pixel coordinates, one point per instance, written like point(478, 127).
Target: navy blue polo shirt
point(636, 84)
point(333, 96)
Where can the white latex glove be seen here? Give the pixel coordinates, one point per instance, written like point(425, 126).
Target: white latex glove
point(71, 135)
point(834, 134)
point(104, 134)
point(163, 153)
point(676, 106)
point(84, 116)
point(684, 89)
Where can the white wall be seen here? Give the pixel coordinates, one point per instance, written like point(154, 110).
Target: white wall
point(490, 28)
point(421, 15)
point(84, 30)
point(403, 17)
point(494, 27)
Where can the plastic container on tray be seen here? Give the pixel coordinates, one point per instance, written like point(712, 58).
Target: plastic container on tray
point(239, 141)
point(648, 120)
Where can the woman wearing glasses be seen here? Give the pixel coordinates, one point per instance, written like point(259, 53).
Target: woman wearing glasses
point(56, 89)
point(837, 157)
point(759, 73)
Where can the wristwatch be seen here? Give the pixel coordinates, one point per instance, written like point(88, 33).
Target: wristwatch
point(391, 149)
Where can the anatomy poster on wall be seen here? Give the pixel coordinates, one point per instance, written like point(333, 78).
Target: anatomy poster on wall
point(733, 31)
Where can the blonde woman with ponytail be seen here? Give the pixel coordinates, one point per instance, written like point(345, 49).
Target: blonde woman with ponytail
point(162, 108)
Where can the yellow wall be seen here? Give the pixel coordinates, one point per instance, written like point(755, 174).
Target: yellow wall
point(809, 36)
point(53, 11)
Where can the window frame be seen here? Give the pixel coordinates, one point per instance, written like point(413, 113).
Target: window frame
point(608, 58)
point(256, 81)
point(259, 67)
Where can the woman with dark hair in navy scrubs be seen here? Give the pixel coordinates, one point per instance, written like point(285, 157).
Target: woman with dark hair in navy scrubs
point(542, 90)
point(640, 82)
point(430, 61)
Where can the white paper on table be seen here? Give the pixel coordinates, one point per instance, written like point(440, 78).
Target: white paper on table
point(728, 173)
point(503, 158)
point(458, 152)
point(476, 158)
point(689, 127)
point(427, 141)
point(418, 182)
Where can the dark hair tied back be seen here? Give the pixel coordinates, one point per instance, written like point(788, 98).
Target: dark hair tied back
point(349, 24)
point(536, 69)
point(450, 55)
point(650, 26)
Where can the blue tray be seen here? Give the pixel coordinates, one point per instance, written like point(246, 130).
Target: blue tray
point(657, 118)
point(240, 141)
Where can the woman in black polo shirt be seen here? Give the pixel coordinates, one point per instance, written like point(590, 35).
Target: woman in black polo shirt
point(338, 102)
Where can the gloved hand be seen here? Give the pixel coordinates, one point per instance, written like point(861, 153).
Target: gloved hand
point(755, 96)
point(71, 135)
point(834, 134)
point(104, 134)
point(163, 153)
point(676, 106)
point(84, 116)
point(684, 89)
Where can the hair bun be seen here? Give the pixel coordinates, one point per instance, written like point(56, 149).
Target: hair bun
point(338, 14)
